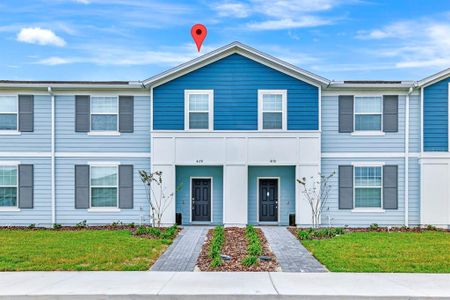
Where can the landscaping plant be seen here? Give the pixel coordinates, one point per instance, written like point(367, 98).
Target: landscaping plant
point(254, 248)
point(319, 233)
point(215, 250)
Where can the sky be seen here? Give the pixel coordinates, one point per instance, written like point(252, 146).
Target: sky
point(137, 39)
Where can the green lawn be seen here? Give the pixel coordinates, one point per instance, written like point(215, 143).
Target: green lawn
point(426, 252)
point(85, 250)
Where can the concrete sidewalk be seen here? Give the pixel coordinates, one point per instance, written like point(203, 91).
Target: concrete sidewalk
point(196, 285)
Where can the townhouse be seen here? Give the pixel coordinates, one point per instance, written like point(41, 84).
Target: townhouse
point(231, 132)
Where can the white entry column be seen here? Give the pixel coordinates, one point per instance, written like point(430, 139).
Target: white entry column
point(235, 205)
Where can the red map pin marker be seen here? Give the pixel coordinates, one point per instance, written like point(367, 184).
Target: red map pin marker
point(198, 32)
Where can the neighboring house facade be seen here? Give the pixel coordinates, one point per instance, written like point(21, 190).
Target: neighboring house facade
point(231, 132)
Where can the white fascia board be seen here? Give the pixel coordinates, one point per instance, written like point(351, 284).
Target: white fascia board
point(244, 50)
point(433, 78)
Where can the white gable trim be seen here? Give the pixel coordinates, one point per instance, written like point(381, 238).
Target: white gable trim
point(246, 51)
point(434, 78)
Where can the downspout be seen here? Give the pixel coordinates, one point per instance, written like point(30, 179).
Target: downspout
point(53, 155)
point(411, 89)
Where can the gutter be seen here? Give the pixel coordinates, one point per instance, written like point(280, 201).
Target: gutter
point(53, 194)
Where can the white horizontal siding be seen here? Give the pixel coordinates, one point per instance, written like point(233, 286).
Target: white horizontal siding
point(69, 140)
point(66, 213)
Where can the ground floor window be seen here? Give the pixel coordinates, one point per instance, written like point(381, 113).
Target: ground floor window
point(104, 186)
point(8, 186)
point(368, 187)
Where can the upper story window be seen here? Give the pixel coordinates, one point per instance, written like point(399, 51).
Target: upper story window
point(368, 113)
point(8, 113)
point(272, 109)
point(104, 113)
point(8, 186)
point(104, 186)
point(199, 109)
point(368, 187)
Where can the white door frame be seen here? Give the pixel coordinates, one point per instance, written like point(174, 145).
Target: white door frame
point(279, 199)
point(190, 198)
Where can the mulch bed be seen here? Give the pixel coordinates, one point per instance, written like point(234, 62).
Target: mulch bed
point(236, 246)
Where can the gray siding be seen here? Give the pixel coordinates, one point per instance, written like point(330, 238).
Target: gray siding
point(69, 140)
point(39, 139)
point(65, 194)
point(40, 214)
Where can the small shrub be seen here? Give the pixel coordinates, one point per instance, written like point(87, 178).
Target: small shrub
point(116, 224)
point(81, 224)
point(254, 248)
point(32, 226)
point(215, 248)
point(304, 235)
point(141, 230)
point(339, 230)
point(319, 233)
point(374, 226)
point(57, 226)
point(249, 260)
point(169, 233)
point(132, 225)
point(431, 228)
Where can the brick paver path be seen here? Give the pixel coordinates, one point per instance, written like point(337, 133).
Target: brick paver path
point(183, 253)
point(291, 254)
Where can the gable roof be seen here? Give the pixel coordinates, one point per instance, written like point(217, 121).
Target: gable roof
point(433, 78)
point(244, 50)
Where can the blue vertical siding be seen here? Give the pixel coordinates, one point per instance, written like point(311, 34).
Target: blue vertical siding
point(287, 191)
point(235, 80)
point(435, 116)
point(41, 213)
point(183, 196)
point(66, 213)
point(38, 140)
point(69, 140)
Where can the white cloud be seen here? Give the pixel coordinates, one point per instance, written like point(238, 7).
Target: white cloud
point(414, 44)
point(54, 61)
point(232, 9)
point(37, 35)
point(83, 1)
point(305, 21)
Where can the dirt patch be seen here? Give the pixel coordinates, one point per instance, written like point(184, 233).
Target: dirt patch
point(236, 246)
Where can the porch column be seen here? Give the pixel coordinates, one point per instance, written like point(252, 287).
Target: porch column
point(235, 204)
point(168, 179)
point(303, 211)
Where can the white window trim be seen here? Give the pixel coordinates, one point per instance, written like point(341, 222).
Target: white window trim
point(212, 199)
point(12, 131)
point(367, 209)
point(103, 208)
point(16, 165)
point(283, 94)
point(103, 132)
point(367, 132)
point(210, 111)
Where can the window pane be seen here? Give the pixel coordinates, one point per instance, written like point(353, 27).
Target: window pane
point(8, 196)
point(198, 102)
point(8, 104)
point(104, 122)
point(368, 197)
point(367, 122)
point(368, 105)
point(272, 121)
point(198, 121)
point(272, 102)
point(104, 197)
point(104, 176)
point(8, 176)
point(367, 176)
point(8, 122)
point(104, 105)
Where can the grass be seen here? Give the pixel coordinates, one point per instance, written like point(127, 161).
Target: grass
point(84, 250)
point(215, 248)
point(426, 252)
point(254, 248)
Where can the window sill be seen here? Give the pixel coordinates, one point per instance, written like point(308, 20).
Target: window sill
point(368, 210)
point(10, 132)
point(104, 133)
point(9, 209)
point(368, 133)
point(104, 210)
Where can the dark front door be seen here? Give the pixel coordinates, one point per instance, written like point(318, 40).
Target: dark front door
point(268, 200)
point(201, 200)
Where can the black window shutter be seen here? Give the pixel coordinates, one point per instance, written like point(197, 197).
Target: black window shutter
point(390, 187)
point(26, 113)
point(81, 186)
point(126, 186)
point(390, 113)
point(126, 113)
point(345, 187)
point(26, 186)
point(345, 114)
point(82, 113)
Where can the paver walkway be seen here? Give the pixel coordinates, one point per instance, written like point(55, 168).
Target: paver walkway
point(291, 254)
point(183, 253)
